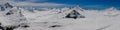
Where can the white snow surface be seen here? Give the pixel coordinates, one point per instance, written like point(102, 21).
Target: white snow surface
point(42, 20)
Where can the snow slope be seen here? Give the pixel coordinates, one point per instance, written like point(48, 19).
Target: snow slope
point(54, 19)
point(95, 20)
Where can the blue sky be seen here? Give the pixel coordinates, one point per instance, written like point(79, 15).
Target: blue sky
point(97, 4)
point(87, 4)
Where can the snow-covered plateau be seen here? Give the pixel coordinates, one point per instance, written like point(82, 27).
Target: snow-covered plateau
point(59, 18)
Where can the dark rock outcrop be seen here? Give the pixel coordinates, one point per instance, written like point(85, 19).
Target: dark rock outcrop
point(74, 14)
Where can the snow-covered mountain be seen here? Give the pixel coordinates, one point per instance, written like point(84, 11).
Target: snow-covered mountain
point(111, 12)
point(12, 16)
point(5, 6)
point(66, 18)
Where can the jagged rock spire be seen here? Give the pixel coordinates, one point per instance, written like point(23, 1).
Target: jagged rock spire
point(15, 16)
point(7, 5)
point(15, 10)
point(2, 8)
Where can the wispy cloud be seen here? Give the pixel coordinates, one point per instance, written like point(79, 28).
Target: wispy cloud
point(35, 0)
point(94, 6)
point(30, 0)
point(30, 3)
point(36, 4)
